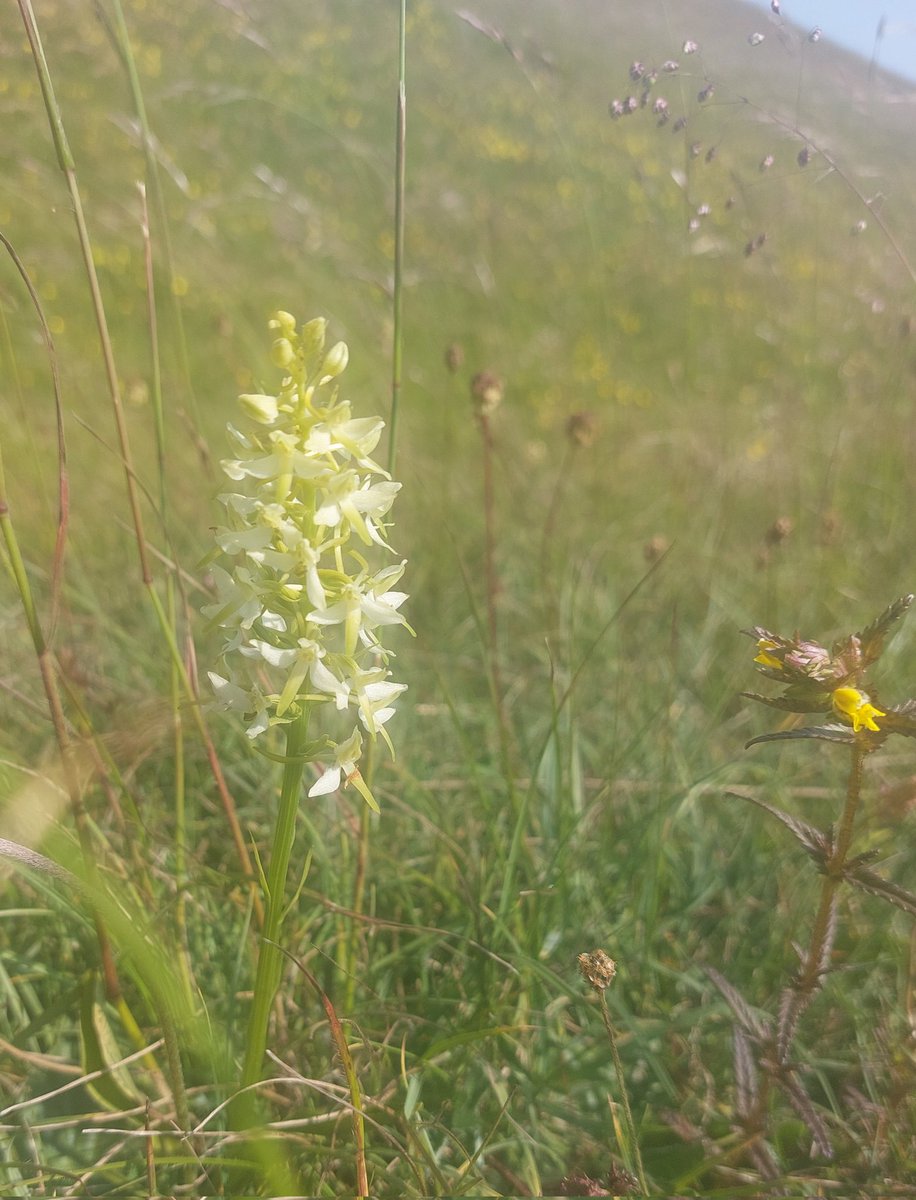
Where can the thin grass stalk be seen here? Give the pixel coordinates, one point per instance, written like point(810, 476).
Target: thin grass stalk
point(548, 539)
point(633, 1149)
point(154, 180)
point(398, 284)
point(216, 769)
point(491, 583)
point(110, 978)
point(175, 689)
point(46, 665)
point(494, 674)
point(346, 1060)
point(65, 160)
point(400, 145)
point(68, 167)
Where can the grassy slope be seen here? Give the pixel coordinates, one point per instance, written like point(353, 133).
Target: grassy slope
point(730, 391)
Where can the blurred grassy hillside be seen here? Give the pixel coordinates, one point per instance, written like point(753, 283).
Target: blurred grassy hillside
point(723, 282)
point(742, 333)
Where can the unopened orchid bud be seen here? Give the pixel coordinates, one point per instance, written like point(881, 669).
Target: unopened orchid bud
point(283, 352)
point(335, 361)
point(313, 333)
point(283, 323)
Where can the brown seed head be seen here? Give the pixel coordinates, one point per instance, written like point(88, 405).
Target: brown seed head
point(655, 547)
point(454, 357)
point(582, 429)
point(778, 531)
point(580, 1184)
point(597, 969)
point(487, 391)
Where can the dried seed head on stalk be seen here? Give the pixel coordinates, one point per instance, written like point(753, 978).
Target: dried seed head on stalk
point(582, 429)
point(487, 391)
point(597, 969)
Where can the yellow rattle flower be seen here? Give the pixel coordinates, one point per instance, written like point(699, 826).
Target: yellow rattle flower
point(855, 706)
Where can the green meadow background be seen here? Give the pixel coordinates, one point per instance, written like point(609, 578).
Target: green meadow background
point(743, 337)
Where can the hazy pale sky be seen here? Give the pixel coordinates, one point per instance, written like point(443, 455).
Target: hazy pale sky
point(854, 24)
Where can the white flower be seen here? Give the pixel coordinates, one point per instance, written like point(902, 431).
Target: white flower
point(304, 662)
point(346, 756)
point(304, 612)
point(360, 611)
point(231, 696)
point(374, 701)
point(345, 495)
point(238, 599)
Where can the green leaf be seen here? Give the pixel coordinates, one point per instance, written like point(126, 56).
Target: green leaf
point(872, 638)
point(114, 1089)
point(813, 840)
point(824, 733)
point(813, 702)
point(893, 893)
point(900, 718)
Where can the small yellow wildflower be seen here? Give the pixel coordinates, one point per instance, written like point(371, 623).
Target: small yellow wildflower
point(764, 646)
point(855, 706)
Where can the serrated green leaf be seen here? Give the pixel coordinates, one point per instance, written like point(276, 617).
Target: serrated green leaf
point(900, 718)
point(872, 638)
point(790, 703)
point(814, 841)
point(824, 733)
point(893, 893)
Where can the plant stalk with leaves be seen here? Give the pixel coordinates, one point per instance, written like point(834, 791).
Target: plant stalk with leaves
point(301, 605)
point(815, 679)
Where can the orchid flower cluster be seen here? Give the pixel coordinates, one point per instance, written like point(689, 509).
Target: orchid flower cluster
point(818, 679)
point(301, 599)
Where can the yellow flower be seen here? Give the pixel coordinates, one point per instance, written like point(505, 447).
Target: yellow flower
point(854, 705)
point(764, 646)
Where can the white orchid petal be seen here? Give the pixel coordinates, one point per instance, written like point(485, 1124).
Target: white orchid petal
point(329, 782)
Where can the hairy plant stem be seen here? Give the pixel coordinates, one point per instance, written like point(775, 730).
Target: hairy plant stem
point(776, 1061)
point(813, 965)
point(633, 1152)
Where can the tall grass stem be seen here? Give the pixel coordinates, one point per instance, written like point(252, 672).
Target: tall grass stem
point(400, 146)
point(624, 1094)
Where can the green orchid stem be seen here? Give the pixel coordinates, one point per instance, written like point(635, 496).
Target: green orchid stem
point(270, 958)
